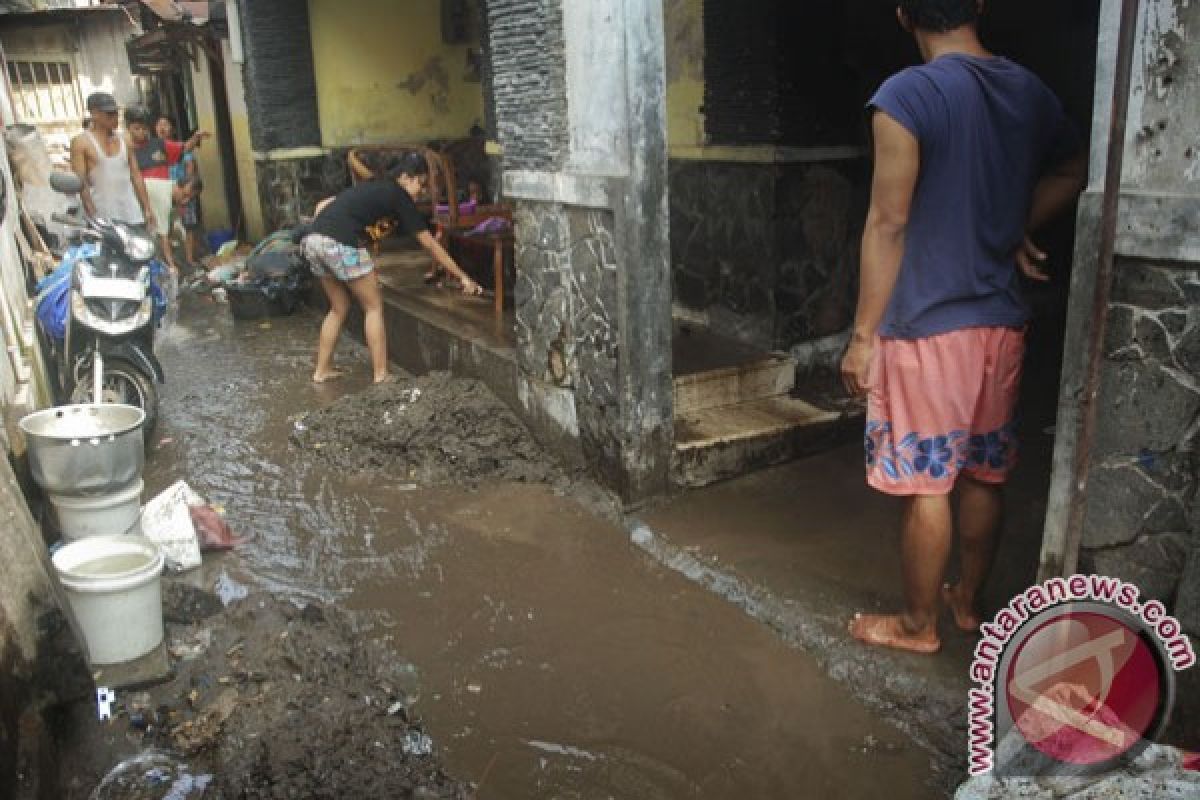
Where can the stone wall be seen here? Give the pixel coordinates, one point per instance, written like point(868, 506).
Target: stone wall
point(291, 187)
point(529, 81)
point(768, 252)
point(281, 86)
point(580, 104)
point(565, 301)
point(1142, 516)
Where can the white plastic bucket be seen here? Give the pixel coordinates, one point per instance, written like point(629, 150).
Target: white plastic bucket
point(99, 515)
point(113, 586)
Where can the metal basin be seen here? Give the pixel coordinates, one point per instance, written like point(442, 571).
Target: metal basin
point(92, 448)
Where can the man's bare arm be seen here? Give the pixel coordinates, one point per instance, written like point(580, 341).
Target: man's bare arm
point(1056, 191)
point(80, 166)
point(897, 162)
point(139, 188)
point(1053, 195)
point(197, 139)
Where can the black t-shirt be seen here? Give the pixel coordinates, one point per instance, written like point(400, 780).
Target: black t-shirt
point(346, 219)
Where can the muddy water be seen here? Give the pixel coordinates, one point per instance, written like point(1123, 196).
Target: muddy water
point(550, 657)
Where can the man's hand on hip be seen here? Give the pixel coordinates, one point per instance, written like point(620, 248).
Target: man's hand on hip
point(1031, 260)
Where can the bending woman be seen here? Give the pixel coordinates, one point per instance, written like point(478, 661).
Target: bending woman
point(335, 253)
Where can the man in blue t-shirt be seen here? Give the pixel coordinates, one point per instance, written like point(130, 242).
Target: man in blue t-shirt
point(972, 154)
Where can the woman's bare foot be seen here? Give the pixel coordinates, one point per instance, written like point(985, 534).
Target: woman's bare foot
point(889, 630)
point(966, 617)
point(324, 377)
point(387, 377)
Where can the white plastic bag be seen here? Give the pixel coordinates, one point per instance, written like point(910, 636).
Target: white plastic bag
point(167, 522)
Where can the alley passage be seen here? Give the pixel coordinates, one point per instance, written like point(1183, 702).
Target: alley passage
point(550, 657)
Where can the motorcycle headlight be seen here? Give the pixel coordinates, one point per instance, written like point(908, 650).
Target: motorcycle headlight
point(139, 248)
point(112, 317)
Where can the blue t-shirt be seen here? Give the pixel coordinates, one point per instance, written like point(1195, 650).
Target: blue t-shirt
point(178, 170)
point(988, 129)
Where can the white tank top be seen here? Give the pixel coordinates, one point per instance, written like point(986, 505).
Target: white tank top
point(112, 186)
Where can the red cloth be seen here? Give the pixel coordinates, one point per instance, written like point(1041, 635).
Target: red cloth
point(163, 171)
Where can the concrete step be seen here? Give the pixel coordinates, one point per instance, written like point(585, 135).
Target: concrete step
point(714, 444)
point(761, 377)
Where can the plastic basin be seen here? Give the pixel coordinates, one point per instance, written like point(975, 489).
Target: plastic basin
point(81, 516)
point(113, 586)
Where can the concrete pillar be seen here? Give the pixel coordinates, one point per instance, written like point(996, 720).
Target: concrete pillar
point(1141, 510)
point(581, 114)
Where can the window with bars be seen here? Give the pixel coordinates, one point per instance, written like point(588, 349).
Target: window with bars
point(44, 91)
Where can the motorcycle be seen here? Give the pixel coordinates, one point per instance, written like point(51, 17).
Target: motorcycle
point(98, 311)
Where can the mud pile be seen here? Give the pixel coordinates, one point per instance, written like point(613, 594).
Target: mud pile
point(435, 429)
point(268, 701)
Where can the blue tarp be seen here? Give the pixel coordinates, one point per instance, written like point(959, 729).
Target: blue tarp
point(54, 291)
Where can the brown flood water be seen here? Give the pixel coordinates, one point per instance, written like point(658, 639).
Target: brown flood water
point(550, 656)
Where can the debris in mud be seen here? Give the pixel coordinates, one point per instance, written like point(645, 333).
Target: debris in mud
point(434, 429)
point(268, 700)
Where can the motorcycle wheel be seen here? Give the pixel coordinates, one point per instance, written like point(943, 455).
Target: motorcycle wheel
point(123, 383)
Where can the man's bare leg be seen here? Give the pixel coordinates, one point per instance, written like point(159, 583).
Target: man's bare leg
point(924, 550)
point(189, 246)
point(164, 242)
point(980, 508)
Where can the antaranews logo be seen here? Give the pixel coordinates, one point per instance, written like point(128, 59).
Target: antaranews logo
point(1073, 674)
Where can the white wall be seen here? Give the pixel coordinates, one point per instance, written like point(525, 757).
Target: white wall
point(94, 45)
point(22, 387)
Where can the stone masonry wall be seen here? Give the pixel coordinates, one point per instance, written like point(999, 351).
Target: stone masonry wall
point(1142, 518)
point(565, 301)
point(290, 188)
point(769, 252)
point(529, 81)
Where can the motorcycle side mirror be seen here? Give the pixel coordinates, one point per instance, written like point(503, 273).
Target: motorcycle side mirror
point(66, 182)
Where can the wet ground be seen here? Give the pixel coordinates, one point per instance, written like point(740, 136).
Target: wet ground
point(549, 655)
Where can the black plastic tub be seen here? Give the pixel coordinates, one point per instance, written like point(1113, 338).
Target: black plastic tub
point(255, 302)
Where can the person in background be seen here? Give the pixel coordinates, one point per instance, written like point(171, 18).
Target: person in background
point(155, 157)
point(113, 188)
point(973, 153)
point(189, 213)
point(334, 248)
point(185, 189)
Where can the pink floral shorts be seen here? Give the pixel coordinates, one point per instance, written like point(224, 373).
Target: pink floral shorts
point(943, 405)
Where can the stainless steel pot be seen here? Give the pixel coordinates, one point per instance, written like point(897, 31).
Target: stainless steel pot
point(92, 448)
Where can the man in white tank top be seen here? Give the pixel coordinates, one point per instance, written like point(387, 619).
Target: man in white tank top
point(112, 183)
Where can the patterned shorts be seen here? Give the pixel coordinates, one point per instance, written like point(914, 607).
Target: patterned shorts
point(943, 405)
point(326, 256)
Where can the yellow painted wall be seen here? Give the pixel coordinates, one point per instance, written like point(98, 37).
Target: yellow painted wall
point(239, 117)
point(684, 23)
point(384, 75)
point(209, 156)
